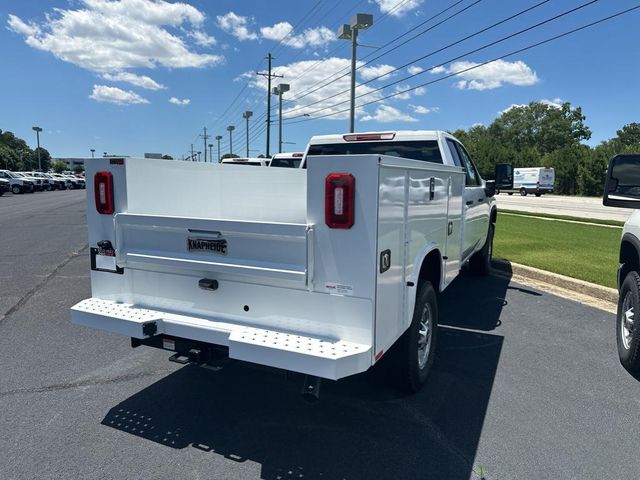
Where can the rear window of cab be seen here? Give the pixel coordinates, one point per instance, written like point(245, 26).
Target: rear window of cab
point(424, 150)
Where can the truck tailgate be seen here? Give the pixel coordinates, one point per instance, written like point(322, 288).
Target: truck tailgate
point(260, 250)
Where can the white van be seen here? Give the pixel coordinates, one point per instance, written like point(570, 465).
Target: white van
point(536, 180)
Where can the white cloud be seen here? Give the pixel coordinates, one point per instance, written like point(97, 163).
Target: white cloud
point(388, 114)
point(104, 93)
point(414, 70)
point(177, 101)
point(202, 38)
point(375, 71)
point(404, 92)
point(324, 96)
point(311, 37)
point(421, 109)
point(397, 8)
point(276, 32)
point(439, 69)
point(419, 91)
point(137, 80)
point(492, 75)
point(115, 35)
point(236, 25)
point(555, 103)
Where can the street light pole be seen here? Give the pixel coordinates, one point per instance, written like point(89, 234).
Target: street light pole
point(279, 90)
point(360, 21)
point(93, 151)
point(211, 152)
point(218, 138)
point(230, 129)
point(38, 130)
point(246, 115)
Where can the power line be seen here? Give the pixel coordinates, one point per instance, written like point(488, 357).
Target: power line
point(347, 69)
point(483, 47)
point(510, 54)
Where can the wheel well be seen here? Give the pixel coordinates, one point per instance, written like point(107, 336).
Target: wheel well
point(494, 215)
point(628, 259)
point(431, 269)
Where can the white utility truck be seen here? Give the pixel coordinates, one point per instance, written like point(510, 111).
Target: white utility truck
point(536, 180)
point(622, 189)
point(308, 270)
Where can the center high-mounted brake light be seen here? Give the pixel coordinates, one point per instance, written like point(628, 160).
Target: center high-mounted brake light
point(364, 137)
point(339, 190)
point(103, 190)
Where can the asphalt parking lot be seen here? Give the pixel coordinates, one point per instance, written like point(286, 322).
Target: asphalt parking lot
point(526, 384)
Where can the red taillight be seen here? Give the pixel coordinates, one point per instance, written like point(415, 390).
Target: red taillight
point(103, 190)
point(339, 197)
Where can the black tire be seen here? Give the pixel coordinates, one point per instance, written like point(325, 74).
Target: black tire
point(629, 344)
point(538, 194)
point(480, 262)
point(523, 192)
point(509, 193)
point(409, 373)
point(15, 189)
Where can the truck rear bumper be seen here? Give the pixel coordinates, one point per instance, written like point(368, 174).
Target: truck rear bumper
point(322, 357)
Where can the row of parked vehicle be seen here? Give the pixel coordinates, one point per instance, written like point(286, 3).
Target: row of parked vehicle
point(29, 182)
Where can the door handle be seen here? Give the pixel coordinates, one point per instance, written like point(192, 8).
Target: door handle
point(208, 284)
point(470, 202)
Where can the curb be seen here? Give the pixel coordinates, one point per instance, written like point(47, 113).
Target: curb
point(579, 286)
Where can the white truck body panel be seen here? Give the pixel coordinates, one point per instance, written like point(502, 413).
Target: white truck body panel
point(534, 179)
point(292, 292)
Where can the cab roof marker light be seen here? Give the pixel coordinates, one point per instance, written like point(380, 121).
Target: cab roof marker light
point(363, 137)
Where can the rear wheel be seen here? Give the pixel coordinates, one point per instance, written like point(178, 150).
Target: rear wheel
point(523, 192)
point(413, 353)
point(15, 189)
point(480, 262)
point(627, 330)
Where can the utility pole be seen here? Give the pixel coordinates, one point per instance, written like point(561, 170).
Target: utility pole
point(279, 90)
point(192, 154)
point(230, 129)
point(246, 115)
point(38, 130)
point(269, 76)
point(218, 138)
point(205, 137)
point(211, 152)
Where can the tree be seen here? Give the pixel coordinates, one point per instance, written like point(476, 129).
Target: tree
point(230, 155)
point(78, 169)
point(167, 157)
point(58, 166)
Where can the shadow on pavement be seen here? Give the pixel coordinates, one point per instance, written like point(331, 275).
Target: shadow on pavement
point(361, 429)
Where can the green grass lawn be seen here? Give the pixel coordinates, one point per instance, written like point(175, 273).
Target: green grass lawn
point(587, 252)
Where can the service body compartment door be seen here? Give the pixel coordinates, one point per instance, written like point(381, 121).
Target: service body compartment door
point(259, 252)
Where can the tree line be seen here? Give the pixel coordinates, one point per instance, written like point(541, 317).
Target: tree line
point(548, 135)
point(16, 155)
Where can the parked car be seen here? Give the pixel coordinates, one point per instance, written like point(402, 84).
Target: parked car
point(287, 160)
point(5, 186)
point(47, 184)
point(76, 182)
point(56, 183)
point(300, 270)
point(37, 182)
point(254, 162)
point(622, 189)
point(18, 183)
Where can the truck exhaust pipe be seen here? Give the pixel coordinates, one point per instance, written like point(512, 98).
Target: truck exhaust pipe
point(311, 389)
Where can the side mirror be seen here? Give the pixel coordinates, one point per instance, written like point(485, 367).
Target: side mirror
point(504, 176)
point(622, 185)
point(490, 188)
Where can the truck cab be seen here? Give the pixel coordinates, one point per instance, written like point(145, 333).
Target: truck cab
point(622, 189)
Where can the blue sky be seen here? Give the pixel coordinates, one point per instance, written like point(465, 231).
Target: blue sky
point(134, 76)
